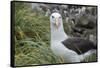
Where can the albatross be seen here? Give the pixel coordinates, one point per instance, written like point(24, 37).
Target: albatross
point(71, 49)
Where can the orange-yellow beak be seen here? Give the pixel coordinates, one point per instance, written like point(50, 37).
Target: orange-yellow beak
point(57, 23)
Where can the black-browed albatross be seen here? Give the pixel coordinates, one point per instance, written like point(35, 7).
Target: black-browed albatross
point(72, 49)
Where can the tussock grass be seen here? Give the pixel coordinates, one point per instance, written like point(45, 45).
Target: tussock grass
point(32, 38)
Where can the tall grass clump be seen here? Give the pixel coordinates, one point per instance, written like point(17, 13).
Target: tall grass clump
point(32, 37)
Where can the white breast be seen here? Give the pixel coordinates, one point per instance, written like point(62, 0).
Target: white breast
point(60, 50)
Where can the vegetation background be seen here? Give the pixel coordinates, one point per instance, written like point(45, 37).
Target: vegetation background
point(32, 37)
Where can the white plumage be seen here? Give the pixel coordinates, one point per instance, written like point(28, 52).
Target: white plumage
point(57, 36)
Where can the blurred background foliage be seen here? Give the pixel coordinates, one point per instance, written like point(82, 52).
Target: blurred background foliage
point(32, 36)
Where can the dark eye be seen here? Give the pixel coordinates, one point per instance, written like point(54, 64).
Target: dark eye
point(52, 16)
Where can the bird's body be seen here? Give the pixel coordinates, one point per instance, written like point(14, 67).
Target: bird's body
point(71, 49)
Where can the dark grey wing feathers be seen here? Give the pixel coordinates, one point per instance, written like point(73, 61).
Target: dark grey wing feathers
point(79, 45)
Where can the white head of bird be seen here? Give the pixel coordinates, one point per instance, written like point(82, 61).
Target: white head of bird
point(56, 20)
point(57, 30)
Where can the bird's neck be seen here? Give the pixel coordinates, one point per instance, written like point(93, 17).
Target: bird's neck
point(58, 34)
